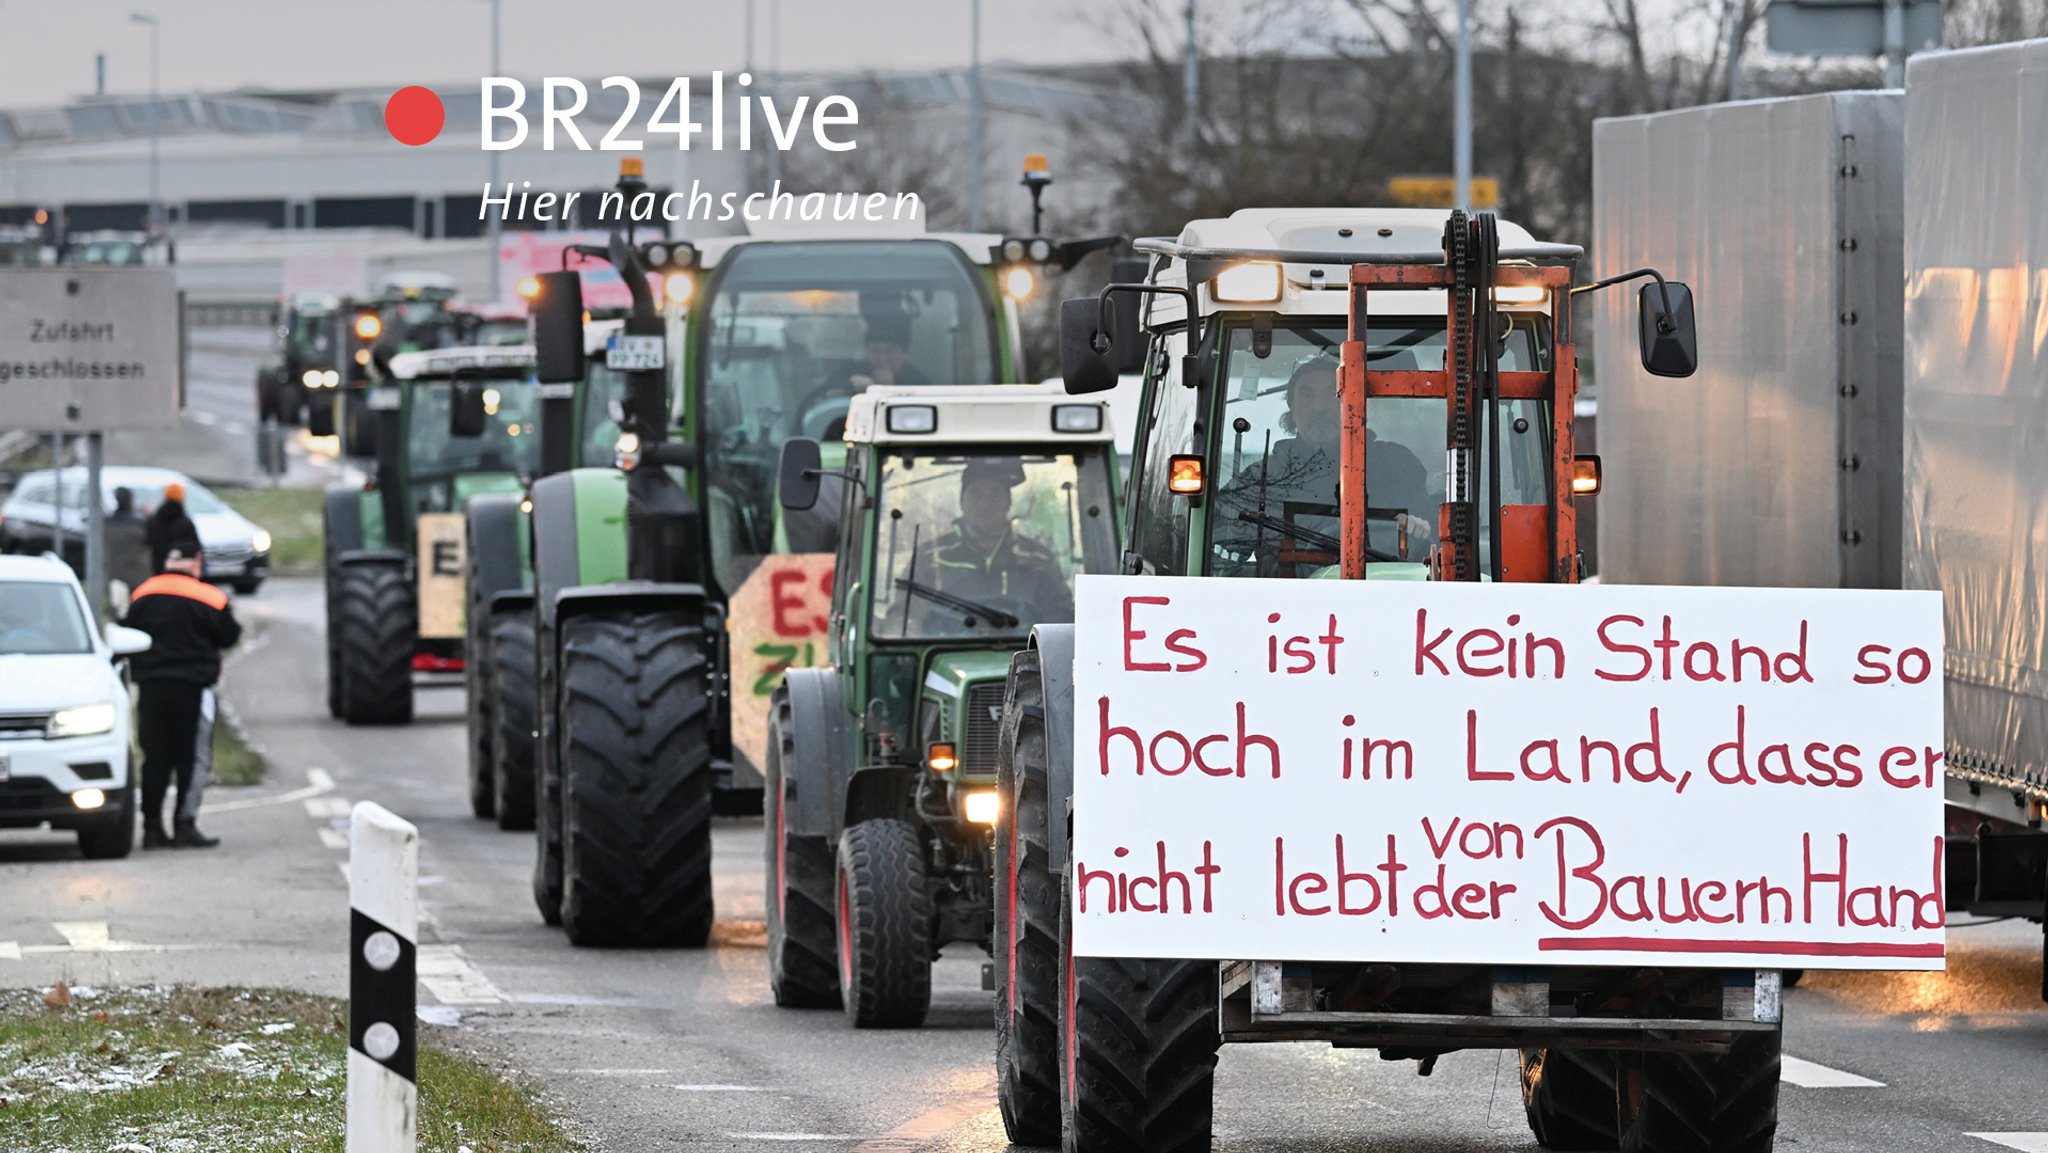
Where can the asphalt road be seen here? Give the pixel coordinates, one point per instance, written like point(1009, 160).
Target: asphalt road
point(215, 440)
point(685, 1051)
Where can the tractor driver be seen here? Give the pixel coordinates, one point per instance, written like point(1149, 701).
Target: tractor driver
point(888, 362)
point(984, 558)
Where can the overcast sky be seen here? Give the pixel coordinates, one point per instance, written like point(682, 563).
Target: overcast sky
point(47, 46)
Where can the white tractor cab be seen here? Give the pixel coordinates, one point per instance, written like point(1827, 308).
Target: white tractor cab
point(1272, 330)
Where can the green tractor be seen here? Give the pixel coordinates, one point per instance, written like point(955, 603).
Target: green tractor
point(966, 513)
point(452, 424)
point(578, 425)
point(670, 594)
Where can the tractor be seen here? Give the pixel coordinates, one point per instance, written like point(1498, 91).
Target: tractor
point(1360, 395)
point(406, 312)
point(453, 423)
point(965, 513)
point(670, 581)
point(309, 337)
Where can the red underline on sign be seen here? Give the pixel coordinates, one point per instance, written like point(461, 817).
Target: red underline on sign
point(1698, 945)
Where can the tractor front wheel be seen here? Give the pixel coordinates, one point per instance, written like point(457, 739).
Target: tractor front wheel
point(378, 622)
point(1027, 920)
point(1701, 1102)
point(1139, 1041)
point(1568, 1095)
point(801, 972)
point(885, 926)
point(635, 758)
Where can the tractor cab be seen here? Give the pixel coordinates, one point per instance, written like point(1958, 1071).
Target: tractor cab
point(1242, 471)
point(964, 514)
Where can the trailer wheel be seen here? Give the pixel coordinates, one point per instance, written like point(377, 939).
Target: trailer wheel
point(1138, 1043)
point(1568, 1095)
point(511, 655)
point(1701, 1102)
point(885, 919)
point(636, 780)
point(801, 968)
point(478, 691)
point(379, 625)
point(1027, 920)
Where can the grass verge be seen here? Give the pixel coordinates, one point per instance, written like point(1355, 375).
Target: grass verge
point(234, 763)
point(196, 1070)
point(291, 516)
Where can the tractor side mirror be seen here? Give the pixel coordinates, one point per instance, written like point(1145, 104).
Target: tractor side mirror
point(467, 419)
point(558, 327)
point(1086, 352)
point(797, 483)
point(1129, 347)
point(1670, 342)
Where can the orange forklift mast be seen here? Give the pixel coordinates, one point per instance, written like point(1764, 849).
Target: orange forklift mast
point(1526, 542)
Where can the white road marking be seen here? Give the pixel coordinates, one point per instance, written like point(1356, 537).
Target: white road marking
point(1808, 1075)
point(439, 1014)
point(84, 936)
point(234, 426)
point(10, 951)
point(320, 783)
point(327, 808)
point(205, 418)
point(452, 980)
point(334, 838)
point(2024, 1142)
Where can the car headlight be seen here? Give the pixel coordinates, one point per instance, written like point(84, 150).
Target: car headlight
point(260, 542)
point(81, 721)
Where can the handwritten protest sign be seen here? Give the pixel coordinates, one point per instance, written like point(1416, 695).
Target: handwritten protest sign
point(1508, 774)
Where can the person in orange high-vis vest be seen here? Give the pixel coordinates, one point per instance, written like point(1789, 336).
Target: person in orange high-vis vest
point(189, 623)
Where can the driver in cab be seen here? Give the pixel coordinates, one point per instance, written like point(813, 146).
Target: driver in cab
point(984, 558)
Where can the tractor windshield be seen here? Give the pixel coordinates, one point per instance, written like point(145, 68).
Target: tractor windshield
point(313, 336)
point(603, 392)
point(1276, 459)
point(988, 542)
point(510, 440)
point(792, 331)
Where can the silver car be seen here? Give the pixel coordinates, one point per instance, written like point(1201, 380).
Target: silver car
point(237, 552)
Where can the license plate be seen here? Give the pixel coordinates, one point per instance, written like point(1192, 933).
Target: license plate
point(624, 353)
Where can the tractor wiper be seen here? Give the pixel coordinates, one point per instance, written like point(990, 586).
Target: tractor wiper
point(1321, 541)
point(994, 616)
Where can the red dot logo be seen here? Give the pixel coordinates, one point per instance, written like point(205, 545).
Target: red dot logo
point(414, 115)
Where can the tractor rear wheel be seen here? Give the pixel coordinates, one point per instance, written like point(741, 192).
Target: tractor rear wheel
point(333, 645)
point(1702, 1102)
point(1139, 1040)
point(379, 625)
point(635, 759)
point(510, 651)
point(1568, 1095)
point(885, 926)
point(801, 969)
point(1027, 928)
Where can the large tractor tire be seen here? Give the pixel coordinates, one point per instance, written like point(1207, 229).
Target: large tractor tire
point(379, 625)
point(479, 692)
point(885, 926)
point(514, 699)
point(1140, 1039)
point(333, 645)
point(320, 413)
point(636, 780)
point(1702, 1102)
point(1027, 929)
point(1568, 1095)
point(802, 971)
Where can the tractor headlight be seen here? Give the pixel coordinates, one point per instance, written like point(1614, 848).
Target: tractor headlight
point(678, 287)
point(982, 806)
point(310, 378)
point(81, 721)
point(1018, 282)
point(1253, 282)
point(627, 453)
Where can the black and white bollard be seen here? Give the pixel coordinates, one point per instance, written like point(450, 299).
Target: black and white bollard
point(383, 894)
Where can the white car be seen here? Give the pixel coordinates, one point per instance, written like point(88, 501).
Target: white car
point(237, 551)
point(64, 716)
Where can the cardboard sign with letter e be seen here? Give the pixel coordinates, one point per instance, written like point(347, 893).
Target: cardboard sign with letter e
point(1507, 774)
